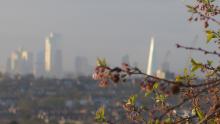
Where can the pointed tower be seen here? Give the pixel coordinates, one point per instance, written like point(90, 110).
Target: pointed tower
point(150, 57)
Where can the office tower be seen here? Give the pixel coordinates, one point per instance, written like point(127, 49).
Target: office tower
point(82, 67)
point(150, 58)
point(11, 65)
point(20, 62)
point(125, 59)
point(39, 65)
point(53, 56)
point(48, 55)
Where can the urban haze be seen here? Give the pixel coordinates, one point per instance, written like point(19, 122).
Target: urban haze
point(99, 28)
point(53, 52)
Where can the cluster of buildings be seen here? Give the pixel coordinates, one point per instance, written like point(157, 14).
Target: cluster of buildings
point(163, 71)
point(46, 63)
point(49, 62)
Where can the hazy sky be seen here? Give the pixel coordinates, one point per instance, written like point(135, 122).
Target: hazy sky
point(99, 28)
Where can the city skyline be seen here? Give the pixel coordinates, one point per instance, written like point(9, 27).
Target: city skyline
point(99, 29)
point(46, 63)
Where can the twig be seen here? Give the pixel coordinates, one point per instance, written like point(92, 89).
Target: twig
point(198, 49)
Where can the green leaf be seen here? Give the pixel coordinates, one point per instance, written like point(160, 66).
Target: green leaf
point(200, 114)
point(132, 100)
point(148, 93)
point(210, 35)
point(100, 114)
point(197, 111)
point(101, 62)
point(193, 62)
point(179, 78)
point(191, 9)
point(195, 65)
point(194, 68)
point(156, 85)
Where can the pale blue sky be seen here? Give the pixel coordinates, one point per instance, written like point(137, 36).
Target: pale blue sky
point(99, 28)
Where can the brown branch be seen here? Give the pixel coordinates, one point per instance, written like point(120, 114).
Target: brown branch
point(199, 49)
point(208, 117)
point(187, 99)
point(179, 83)
point(174, 107)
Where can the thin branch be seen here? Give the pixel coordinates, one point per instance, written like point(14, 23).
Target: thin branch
point(209, 116)
point(187, 99)
point(178, 82)
point(199, 49)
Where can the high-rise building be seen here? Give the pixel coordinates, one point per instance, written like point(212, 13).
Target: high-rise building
point(53, 56)
point(150, 58)
point(20, 62)
point(82, 67)
point(11, 64)
point(48, 55)
point(39, 70)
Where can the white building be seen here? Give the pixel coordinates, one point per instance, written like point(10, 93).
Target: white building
point(53, 56)
point(150, 62)
point(20, 62)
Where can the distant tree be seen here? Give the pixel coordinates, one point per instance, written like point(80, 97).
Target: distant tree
point(200, 98)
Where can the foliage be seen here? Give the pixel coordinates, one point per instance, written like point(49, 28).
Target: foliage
point(100, 114)
point(196, 100)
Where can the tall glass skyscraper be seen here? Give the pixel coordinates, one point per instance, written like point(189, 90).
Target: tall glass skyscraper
point(53, 56)
point(151, 58)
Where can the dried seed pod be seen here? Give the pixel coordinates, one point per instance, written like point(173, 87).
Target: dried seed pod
point(115, 78)
point(175, 89)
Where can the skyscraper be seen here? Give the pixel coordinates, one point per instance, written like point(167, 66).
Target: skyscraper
point(20, 62)
point(150, 58)
point(39, 69)
point(53, 56)
point(48, 55)
point(11, 64)
point(82, 67)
